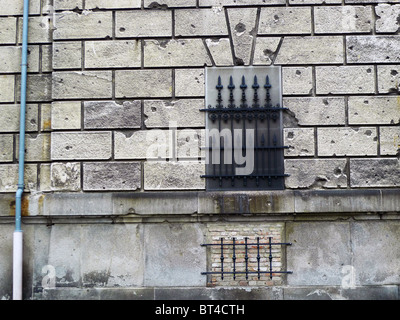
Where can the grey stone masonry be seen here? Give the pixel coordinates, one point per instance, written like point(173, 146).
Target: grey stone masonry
point(311, 50)
point(388, 78)
point(386, 16)
point(316, 173)
point(285, 20)
point(82, 85)
point(80, 145)
point(112, 115)
point(374, 110)
point(343, 19)
point(88, 24)
point(374, 172)
point(345, 79)
point(347, 141)
point(111, 176)
point(143, 83)
point(156, 23)
point(373, 49)
point(200, 22)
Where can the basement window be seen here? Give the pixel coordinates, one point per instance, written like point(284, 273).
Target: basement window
point(244, 135)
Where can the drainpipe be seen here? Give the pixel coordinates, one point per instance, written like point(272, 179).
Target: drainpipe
point(18, 235)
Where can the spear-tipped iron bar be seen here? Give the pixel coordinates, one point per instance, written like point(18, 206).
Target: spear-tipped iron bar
point(258, 257)
point(270, 258)
point(246, 258)
point(234, 259)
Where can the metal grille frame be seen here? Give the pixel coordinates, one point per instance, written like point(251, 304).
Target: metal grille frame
point(243, 100)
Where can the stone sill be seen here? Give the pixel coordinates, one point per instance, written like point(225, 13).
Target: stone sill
point(384, 292)
point(202, 203)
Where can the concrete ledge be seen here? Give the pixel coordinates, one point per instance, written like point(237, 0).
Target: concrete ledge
point(227, 293)
point(355, 201)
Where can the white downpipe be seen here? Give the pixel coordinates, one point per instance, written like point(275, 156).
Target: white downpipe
point(17, 264)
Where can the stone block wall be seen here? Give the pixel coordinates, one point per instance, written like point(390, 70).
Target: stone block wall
point(104, 75)
point(114, 136)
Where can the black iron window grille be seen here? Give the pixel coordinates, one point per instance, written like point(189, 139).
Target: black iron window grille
point(244, 136)
point(228, 251)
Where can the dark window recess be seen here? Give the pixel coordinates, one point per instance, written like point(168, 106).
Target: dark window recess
point(263, 250)
point(244, 138)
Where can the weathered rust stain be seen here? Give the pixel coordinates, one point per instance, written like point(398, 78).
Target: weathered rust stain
point(24, 207)
point(46, 125)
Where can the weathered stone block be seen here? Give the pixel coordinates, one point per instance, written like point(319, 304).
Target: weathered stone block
point(300, 141)
point(99, 176)
point(11, 62)
point(312, 257)
point(314, 2)
point(7, 88)
point(205, 3)
point(189, 82)
point(143, 144)
point(265, 50)
point(316, 173)
point(8, 30)
point(82, 85)
point(10, 115)
point(112, 115)
point(343, 19)
point(243, 27)
point(89, 24)
point(389, 140)
point(45, 177)
point(9, 177)
point(111, 4)
point(379, 240)
point(169, 3)
point(182, 113)
point(174, 256)
point(374, 110)
point(386, 18)
point(366, 173)
point(175, 53)
point(297, 81)
point(65, 176)
point(80, 145)
point(39, 31)
point(37, 147)
point(311, 50)
point(6, 148)
point(67, 4)
point(316, 111)
point(75, 253)
point(200, 22)
point(65, 115)
point(182, 175)
point(67, 55)
point(112, 54)
point(285, 20)
point(147, 23)
point(47, 60)
point(388, 78)
point(17, 7)
point(143, 83)
point(345, 79)
point(220, 51)
point(158, 144)
point(372, 49)
point(347, 141)
point(38, 87)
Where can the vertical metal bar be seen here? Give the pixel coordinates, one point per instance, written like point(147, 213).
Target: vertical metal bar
point(234, 260)
point(258, 257)
point(270, 258)
point(267, 87)
point(222, 259)
point(255, 87)
point(219, 87)
point(246, 257)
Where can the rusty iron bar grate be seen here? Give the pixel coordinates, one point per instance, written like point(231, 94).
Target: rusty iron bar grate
point(234, 128)
point(259, 246)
